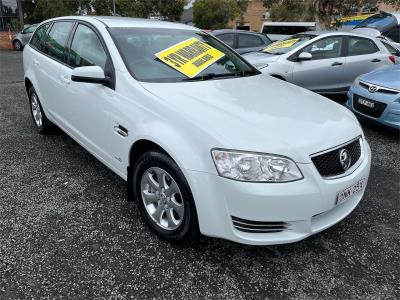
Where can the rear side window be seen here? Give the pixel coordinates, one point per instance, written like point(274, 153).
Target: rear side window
point(38, 37)
point(394, 34)
point(249, 40)
point(86, 49)
point(361, 46)
point(227, 38)
point(56, 40)
point(391, 49)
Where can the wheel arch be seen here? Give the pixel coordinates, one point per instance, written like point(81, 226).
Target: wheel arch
point(28, 84)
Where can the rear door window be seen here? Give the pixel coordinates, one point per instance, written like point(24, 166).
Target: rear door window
point(38, 37)
point(361, 46)
point(249, 40)
point(57, 39)
point(227, 38)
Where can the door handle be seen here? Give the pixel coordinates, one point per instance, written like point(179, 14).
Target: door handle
point(336, 63)
point(375, 60)
point(36, 61)
point(122, 131)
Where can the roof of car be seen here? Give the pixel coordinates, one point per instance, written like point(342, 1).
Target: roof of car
point(113, 21)
point(221, 31)
point(332, 32)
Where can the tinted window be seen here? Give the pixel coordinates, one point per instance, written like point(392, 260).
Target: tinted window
point(249, 40)
point(56, 40)
point(38, 37)
point(325, 48)
point(139, 46)
point(361, 46)
point(86, 49)
point(394, 34)
point(227, 38)
point(285, 30)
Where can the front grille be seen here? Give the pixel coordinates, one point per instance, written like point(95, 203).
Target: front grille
point(380, 89)
point(374, 112)
point(258, 226)
point(328, 164)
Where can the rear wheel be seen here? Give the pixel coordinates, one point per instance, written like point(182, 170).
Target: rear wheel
point(39, 117)
point(164, 198)
point(17, 45)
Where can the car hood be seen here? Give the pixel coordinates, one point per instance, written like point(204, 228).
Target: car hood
point(260, 57)
point(389, 77)
point(260, 113)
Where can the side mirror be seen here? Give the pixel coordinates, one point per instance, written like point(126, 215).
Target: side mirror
point(304, 56)
point(93, 74)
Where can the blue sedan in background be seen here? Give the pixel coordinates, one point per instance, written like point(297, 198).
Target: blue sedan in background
point(376, 96)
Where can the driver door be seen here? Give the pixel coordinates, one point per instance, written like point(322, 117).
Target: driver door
point(324, 71)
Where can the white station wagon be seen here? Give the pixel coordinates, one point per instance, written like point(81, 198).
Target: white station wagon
point(206, 143)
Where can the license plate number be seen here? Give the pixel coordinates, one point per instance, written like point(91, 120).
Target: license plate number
point(351, 190)
point(366, 102)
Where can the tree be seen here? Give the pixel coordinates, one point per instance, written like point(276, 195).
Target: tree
point(322, 11)
point(242, 5)
point(46, 9)
point(214, 14)
point(290, 10)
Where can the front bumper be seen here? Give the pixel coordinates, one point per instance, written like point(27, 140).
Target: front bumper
point(390, 116)
point(307, 206)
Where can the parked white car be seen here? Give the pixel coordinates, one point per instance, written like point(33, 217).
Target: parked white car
point(324, 62)
point(205, 142)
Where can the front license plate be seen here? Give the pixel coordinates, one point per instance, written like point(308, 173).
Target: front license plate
point(351, 190)
point(366, 102)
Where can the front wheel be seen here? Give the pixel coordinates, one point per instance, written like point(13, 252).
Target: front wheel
point(164, 198)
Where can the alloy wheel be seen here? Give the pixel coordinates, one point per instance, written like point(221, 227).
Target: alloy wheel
point(36, 110)
point(162, 198)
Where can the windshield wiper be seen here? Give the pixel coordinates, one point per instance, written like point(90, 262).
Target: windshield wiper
point(209, 76)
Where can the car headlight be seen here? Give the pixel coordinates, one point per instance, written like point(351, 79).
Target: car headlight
point(256, 167)
point(260, 66)
point(357, 80)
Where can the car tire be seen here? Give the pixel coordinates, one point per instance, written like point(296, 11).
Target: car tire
point(43, 124)
point(17, 45)
point(164, 198)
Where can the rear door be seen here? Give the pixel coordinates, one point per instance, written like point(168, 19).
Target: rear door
point(362, 56)
point(324, 72)
point(52, 58)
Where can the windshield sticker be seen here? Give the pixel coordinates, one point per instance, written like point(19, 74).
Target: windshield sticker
point(190, 57)
point(281, 44)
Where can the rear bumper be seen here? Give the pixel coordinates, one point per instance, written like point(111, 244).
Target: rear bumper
point(305, 207)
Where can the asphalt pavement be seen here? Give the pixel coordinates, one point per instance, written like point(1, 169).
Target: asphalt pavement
point(66, 230)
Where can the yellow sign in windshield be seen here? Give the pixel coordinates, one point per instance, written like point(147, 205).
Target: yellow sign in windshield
point(281, 44)
point(190, 57)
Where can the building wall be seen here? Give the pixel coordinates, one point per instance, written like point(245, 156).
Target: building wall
point(253, 17)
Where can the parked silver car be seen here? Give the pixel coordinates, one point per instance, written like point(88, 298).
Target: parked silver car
point(22, 38)
point(324, 62)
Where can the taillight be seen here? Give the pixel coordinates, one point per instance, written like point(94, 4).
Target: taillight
point(392, 58)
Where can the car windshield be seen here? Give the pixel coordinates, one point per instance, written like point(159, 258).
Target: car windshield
point(140, 47)
point(287, 44)
point(378, 21)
